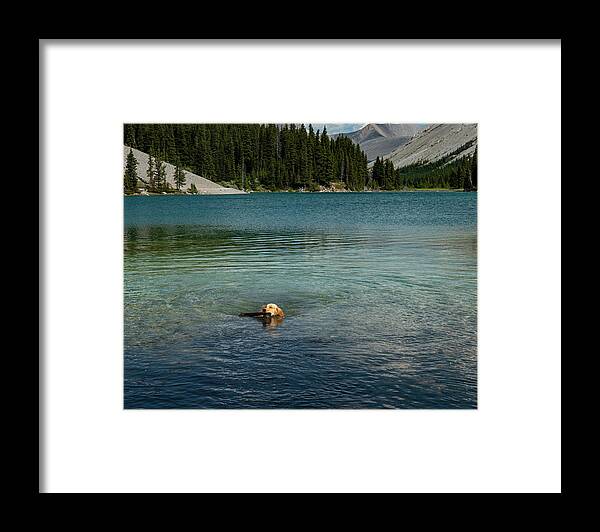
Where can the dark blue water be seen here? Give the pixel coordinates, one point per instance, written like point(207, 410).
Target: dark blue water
point(379, 289)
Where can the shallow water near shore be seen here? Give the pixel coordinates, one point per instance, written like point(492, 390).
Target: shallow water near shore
point(379, 290)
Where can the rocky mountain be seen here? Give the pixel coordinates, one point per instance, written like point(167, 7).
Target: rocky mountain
point(203, 185)
point(434, 143)
point(379, 140)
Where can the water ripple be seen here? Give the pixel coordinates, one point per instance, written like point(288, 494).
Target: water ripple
point(381, 310)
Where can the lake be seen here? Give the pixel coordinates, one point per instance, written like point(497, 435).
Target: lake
point(379, 290)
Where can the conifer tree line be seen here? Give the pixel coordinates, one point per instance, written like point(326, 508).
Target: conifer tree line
point(262, 156)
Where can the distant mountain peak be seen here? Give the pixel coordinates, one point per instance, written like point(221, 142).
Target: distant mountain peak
point(379, 140)
point(392, 130)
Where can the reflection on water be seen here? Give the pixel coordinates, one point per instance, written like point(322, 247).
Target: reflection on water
point(379, 292)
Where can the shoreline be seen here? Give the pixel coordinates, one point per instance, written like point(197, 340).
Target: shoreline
point(412, 190)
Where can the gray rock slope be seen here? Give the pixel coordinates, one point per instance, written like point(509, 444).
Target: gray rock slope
point(203, 185)
point(379, 140)
point(435, 142)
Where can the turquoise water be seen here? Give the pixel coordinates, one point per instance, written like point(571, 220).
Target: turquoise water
point(379, 290)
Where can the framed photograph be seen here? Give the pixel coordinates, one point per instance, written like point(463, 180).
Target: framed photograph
point(280, 279)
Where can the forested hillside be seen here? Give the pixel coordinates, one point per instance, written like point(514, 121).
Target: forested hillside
point(293, 157)
point(257, 156)
point(446, 172)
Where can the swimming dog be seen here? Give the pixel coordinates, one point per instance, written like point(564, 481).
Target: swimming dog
point(274, 310)
point(268, 311)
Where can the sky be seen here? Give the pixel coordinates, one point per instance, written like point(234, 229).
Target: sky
point(337, 128)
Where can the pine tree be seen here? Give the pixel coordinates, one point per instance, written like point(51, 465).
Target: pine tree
point(130, 177)
point(388, 175)
point(179, 177)
point(378, 173)
point(150, 175)
point(160, 176)
point(474, 170)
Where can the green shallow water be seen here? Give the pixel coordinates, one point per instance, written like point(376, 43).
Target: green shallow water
point(379, 289)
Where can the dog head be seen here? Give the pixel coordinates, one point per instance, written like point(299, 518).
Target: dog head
point(274, 310)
